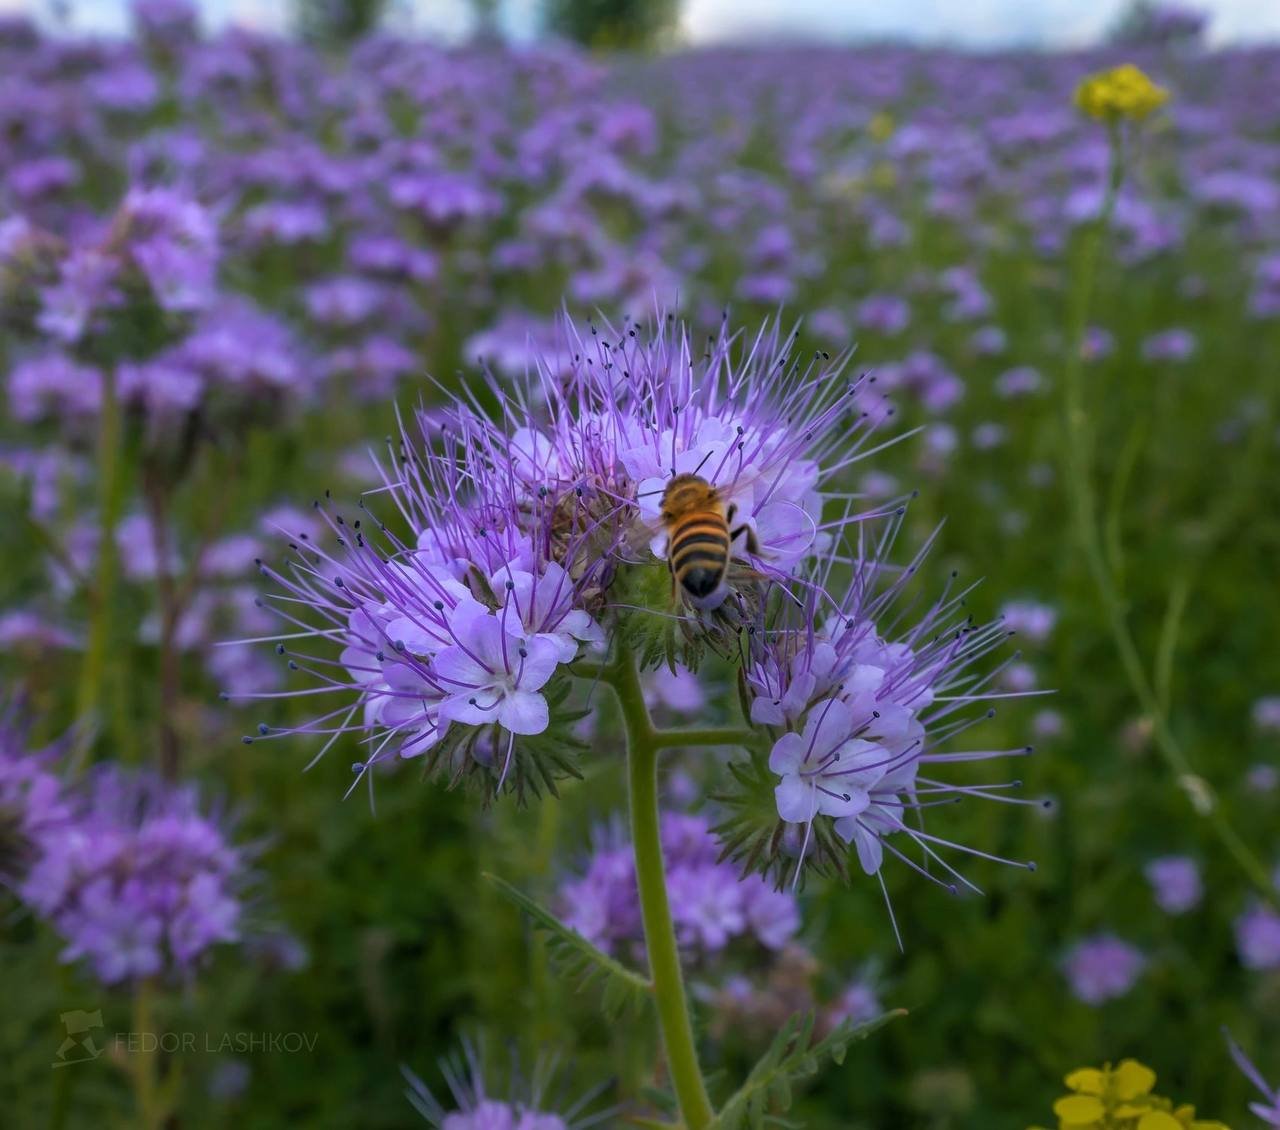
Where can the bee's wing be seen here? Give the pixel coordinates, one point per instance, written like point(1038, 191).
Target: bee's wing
point(784, 528)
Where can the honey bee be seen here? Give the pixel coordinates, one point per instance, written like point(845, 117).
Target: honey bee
point(699, 539)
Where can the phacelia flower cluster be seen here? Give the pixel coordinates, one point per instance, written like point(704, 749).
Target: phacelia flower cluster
point(859, 720)
point(528, 1103)
point(713, 906)
point(526, 537)
point(135, 876)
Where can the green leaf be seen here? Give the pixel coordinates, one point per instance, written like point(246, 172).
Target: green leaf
point(577, 958)
point(792, 1056)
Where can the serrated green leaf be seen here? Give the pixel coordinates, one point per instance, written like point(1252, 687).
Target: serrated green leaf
point(577, 958)
point(790, 1057)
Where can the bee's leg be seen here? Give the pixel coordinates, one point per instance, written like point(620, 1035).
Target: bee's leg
point(675, 588)
point(753, 546)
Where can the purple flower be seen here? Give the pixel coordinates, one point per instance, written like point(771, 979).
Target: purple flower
point(173, 240)
point(527, 1105)
point(489, 675)
point(859, 714)
point(1098, 343)
point(1102, 968)
point(1269, 1109)
point(857, 1003)
point(1169, 345)
point(1258, 938)
point(140, 882)
point(34, 811)
point(713, 906)
point(1266, 714)
point(883, 313)
point(1021, 381)
point(825, 770)
point(1032, 620)
point(679, 691)
point(1262, 778)
point(989, 341)
point(1175, 881)
point(54, 384)
point(504, 586)
point(86, 285)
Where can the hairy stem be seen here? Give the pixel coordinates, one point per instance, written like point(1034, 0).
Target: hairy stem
point(1077, 459)
point(643, 744)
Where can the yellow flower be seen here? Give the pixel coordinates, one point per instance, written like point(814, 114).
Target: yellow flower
point(1123, 92)
point(1105, 1094)
point(1120, 1098)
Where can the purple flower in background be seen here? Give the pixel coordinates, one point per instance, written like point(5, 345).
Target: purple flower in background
point(1032, 620)
point(1269, 1109)
point(884, 314)
point(1258, 938)
point(712, 904)
point(857, 1003)
point(140, 881)
point(989, 341)
point(1021, 381)
point(526, 1105)
point(987, 436)
point(1175, 881)
point(173, 240)
point(1098, 343)
point(1102, 968)
point(1169, 345)
point(86, 285)
point(1048, 724)
point(1266, 714)
point(680, 691)
point(1262, 778)
point(54, 384)
point(34, 812)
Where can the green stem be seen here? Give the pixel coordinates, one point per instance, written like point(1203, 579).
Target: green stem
point(93, 672)
point(674, 739)
point(1078, 460)
point(643, 744)
point(144, 1066)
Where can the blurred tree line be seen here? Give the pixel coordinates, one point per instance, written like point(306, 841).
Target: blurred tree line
point(600, 24)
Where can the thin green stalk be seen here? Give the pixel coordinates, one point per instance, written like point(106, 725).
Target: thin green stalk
point(93, 672)
point(643, 744)
point(144, 1068)
point(729, 735)
point(1078, 463)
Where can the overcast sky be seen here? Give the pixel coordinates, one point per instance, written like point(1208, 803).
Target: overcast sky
point(973, 22)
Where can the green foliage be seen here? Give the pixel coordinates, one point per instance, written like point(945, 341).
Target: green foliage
point(577, 959)
point(793, 1056)
point(337, 22)
point(612, 24)
point(648, 626)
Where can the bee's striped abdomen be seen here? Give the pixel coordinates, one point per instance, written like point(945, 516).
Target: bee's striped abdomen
point(698, 552)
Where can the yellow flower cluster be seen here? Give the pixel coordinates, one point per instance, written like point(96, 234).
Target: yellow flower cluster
point(1122, 92)
point(1120, 1098)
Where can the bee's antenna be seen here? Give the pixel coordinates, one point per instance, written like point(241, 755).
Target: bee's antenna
point(701, 463)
